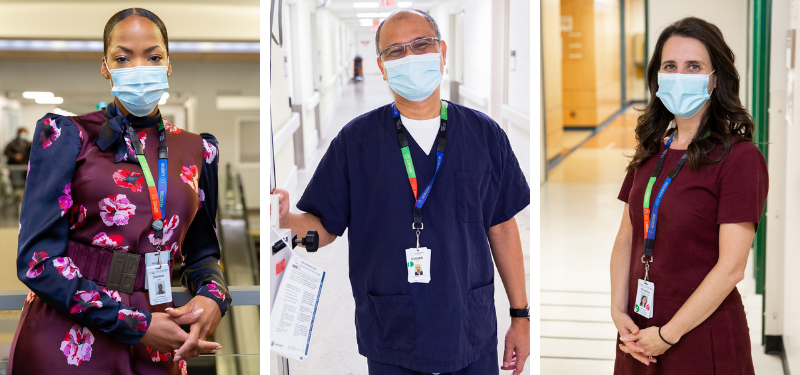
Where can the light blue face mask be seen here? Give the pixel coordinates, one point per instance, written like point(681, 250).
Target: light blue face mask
point(414, 77)
point(683, 94)
point(139, 88)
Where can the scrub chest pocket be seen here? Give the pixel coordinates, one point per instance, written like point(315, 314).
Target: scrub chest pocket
point(468, 196)
point(395, 325)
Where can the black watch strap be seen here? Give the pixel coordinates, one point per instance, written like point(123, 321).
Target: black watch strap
point(521, 313)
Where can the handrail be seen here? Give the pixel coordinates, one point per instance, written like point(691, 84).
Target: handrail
point(516, 117)
point(241, 295)
point(311, 101)
point(473, 96)
point(287, 131)
point(331, 81)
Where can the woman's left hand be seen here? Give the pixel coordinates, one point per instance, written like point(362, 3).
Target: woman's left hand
point(205, 326)
point(649, 340)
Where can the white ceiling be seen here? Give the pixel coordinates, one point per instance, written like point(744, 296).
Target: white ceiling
point(345, 11)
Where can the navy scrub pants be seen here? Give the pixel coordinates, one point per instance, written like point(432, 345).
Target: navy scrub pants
point(485, 365)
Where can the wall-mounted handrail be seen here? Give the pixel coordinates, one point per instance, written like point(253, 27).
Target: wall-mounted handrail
point(331, 81)
point(241, 295)
point(287, 131)
point(473, 96)
point(516, 117)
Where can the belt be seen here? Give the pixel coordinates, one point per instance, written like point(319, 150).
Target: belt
point(113, 269)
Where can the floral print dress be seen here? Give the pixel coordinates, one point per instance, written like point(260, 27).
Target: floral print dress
point(86, 198)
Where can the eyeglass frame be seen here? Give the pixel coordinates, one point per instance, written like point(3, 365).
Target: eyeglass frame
point(409, 46)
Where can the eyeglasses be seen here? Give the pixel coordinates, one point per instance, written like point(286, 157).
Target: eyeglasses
point(419, 47)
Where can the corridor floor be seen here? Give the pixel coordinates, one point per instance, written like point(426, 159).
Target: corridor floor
point(333, 347)
point(580, 216)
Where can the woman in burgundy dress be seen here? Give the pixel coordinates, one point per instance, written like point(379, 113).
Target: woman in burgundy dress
point(91, 211)
point(687, 229)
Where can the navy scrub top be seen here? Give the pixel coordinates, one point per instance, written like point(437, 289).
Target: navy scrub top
point(361, 184)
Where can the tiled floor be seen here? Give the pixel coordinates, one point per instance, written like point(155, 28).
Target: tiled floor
point(580, 216)
point(333, 343)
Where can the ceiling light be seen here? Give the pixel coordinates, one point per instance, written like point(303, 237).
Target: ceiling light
point(370, 15)
point(62, 112)
point(36, 94)
point(403, 4)
point(164, 98)
point(366, 5)
point(55, 100)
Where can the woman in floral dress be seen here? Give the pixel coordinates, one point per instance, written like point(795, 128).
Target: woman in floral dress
point(87, 198)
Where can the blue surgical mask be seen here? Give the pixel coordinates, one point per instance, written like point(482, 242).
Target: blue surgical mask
point(139, 88)
point(683, 94)
point(414, 77)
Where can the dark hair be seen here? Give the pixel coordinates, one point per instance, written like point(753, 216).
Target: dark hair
point(726, 121)
point(125, 13)
point(399, 14)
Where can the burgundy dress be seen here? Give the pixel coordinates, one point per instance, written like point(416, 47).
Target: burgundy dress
point(86, 198)
point(686, 249)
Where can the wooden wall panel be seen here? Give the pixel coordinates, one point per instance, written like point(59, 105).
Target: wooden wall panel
point(591, 65)
point(551, 65)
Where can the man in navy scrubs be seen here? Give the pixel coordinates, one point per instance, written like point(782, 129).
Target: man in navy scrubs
point(376, 180)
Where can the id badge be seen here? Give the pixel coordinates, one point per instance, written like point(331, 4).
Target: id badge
point(418, 264)
point(644, 299)
point(159, 278)
point(151, 259)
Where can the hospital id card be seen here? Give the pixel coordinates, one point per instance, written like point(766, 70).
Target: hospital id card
point(644, 299)
point(418, 264)
point(158, 277)
point(151, 259)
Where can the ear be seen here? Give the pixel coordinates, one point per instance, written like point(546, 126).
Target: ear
point(104, 70)
point(712, 82)
point(444, 52)
point(380, 66)
point(169, 67)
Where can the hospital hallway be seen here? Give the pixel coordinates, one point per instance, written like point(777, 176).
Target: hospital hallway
point(580, 218)
point(333, 342)
point(324, 74)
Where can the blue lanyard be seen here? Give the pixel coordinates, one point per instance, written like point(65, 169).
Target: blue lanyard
point(649, 241)
point(402, 138)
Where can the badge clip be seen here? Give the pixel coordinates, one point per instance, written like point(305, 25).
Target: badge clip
point(647, 267)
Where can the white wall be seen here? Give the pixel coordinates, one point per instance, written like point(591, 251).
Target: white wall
point(776, 200)
point(334, 64)
point(729, 15)
point(280, 92)
point(367, 51)
point(519, 80)
point(791, 325)
point(477, 39)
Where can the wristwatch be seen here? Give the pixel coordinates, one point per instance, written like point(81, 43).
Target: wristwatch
point(521, 313)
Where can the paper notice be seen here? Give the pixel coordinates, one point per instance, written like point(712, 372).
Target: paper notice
point(295, 307)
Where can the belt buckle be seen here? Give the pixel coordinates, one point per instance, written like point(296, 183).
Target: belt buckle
point(122, 274)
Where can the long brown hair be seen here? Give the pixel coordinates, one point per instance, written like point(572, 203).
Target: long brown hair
point(724, 123)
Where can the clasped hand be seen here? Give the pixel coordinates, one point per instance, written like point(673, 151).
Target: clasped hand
point(166, 336)
point(644, 345)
